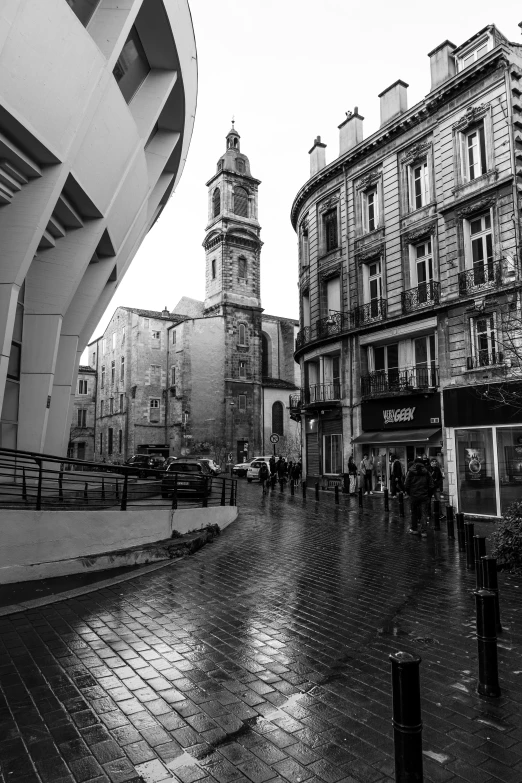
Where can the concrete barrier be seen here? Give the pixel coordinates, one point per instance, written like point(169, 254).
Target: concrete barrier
point(43, 544)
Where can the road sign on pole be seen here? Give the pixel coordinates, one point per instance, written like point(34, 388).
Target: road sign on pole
point(274, 438)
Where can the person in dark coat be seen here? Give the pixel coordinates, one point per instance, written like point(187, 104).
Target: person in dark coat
point(436, 474)
point(264, 477)
point(396, 478)
point(272, 463)
point(419, 486)
point(281, 469)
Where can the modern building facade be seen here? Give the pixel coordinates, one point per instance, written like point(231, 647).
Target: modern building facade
point(97, 108)
point(210, 376)
point(410, 281)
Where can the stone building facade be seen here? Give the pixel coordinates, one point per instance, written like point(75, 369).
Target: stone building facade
point(410, 281)
point(82, 433)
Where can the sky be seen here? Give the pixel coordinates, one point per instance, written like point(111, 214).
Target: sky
point(287, 70)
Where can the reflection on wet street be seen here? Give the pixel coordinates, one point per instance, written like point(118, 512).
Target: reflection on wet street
point(264, 657)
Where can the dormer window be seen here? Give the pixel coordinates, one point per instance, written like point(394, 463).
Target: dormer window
point(472, 53)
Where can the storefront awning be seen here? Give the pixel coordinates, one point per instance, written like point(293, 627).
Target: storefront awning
point(399, 436)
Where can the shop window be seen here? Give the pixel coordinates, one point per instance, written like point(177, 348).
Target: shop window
point(333, 454)
point(419, 185)
point(509, 451)
point(132, 66)
point(476, 472)
point(278, 414)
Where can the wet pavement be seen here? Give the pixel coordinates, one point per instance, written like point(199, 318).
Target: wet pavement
point(263, 657)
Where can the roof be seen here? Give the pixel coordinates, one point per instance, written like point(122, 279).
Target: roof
point(85, 368)
point(152, 314)
point(278, 383)
point(279, 318)
point(186, 306)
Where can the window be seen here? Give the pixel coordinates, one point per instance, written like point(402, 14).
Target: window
point(111, 405)
point(120, 441)
point(474, 152)
point(331, 240)
point(484, 341)
point(374, 286)
point(306, 310)
point(154, 408)
point(82, 417)
point(102, 407)
point(242, 369)
point(242, 334)
point(242, 267)
point(102, 385)
point(93, 363)
point(113, 372)
point(101, 442)
point(173, 337)
point(333, 454)
point(172, 376)
point(384, 362)
point(370, 210)
point(83, 9)
point(240, 165)
point(156, 339)
point(479, 255)
point(425, 355)
point(332, 289)
point(155, 373)
point(82, 387)
point(110, 433)
point(265, 356)
point(468, 57)
point(80, 451)
point(305, 246)
point(132, 66)
point(476, 471)
point(423, 270)
point(122, 369)
point(121, 403)
point(213, 269)
point(419, 185)
point(216, 202)
point(113, 341)
point(242, 403)
point(332, 378)
point(278, 418)
point(241, 202)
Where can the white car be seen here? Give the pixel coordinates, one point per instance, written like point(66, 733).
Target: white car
point(213, 466)
point(241, 468)
point(253, 469)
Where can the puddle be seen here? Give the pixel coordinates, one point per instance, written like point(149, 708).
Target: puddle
point(440, 757)
point(493, 724)
point(185, 760)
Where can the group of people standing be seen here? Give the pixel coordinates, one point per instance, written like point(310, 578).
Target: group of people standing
point(279, 470)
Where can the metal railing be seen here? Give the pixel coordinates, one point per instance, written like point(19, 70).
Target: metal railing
point(332, 324)
point(484, 359)
point(29, 480)
point(304, 336)
point(399, 380)
point(423, 295)
point(482, 276)
point(322, 392)
point(370, 312)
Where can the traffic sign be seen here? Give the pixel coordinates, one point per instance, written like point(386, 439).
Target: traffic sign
point(274, 438)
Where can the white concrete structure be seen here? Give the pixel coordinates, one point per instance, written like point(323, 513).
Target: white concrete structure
point(97, 103)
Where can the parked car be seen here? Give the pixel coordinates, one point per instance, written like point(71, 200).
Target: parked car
point(145, 465)
point(190, 476)
point(213, 466)
point(168, 462)
point(241, 468)
point(253, 469)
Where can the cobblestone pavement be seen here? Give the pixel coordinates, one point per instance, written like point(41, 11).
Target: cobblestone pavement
point(264, 657)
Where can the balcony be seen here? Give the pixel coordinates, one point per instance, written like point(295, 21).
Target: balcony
point(406, 379)
point(369, 313)
point(322, 393)
point(304, 336)
point(480, 278)
point(423, 295)
point(335, 323)
point(485, 359)
point(295, 401)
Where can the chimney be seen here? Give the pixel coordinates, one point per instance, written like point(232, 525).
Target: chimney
point(394, 101)
point(442, 64)
point(165, 313)
point(317, 156)
point(350, 131)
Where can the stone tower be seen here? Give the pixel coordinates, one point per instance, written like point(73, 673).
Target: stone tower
point(232, 290)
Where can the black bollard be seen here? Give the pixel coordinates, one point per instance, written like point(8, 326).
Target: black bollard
point(461, 537)
point(86, 492)
point(435, 515)
point(479, 551)
point(490, 582)
point(401, 504)
point(450, 527)
point(317, 490)
point(303, 486)
point(407, 722)
point(487, 644)
point(292, 489)
point(103, 489)
point(336, 493)
point(223, 493)
point(386, 499)
point(459, 519)
point(469, 532)
point(360, 498)
point(449, 513)
point(117, 490)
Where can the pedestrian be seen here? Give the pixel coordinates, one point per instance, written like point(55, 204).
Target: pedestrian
point(366, 471)
point(396, 476)
point(436, 474)
point(352, 475)
point(272, 464)
point(296, 472)
point(290, 469)
point(281, 471)
point(419, 485)
point(264, 476)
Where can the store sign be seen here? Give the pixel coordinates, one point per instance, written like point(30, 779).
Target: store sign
point(398, 414)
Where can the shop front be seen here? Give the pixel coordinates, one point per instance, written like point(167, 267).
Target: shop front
point(404, 427)
point(324, 443)
point(484, 451)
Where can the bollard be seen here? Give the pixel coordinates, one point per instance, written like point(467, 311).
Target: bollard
point(469, 532)
point(175, 492)
point(360, 498)
point(103, 489)
point(401, 504)
point(386, 499)
point(292, 489)
point(490, 582)
point(336, 493)
point(461, 537)
point(60, 485)
point(449, 513)
point(223, 493)
point(460, 520)
point(450, 527)
point(479, 551)
point(86, 492)
point(231, 503)
point(303, 486)
point(487, 644)
point(124, 493)
point(205, 500)
point(436, 515)
point(317, 490)
point(407, 722)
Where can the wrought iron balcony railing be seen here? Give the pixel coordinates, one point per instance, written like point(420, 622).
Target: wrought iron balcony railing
point(322, 392)
point(484, 359)
point(370, 312)
point(399, 380)
point(482, 276)
point(332, 324)
point(295, 401)
point(423, 295)
point(304, 336)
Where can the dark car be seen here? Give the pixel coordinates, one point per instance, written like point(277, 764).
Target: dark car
point(188, 477)
point(145, 465)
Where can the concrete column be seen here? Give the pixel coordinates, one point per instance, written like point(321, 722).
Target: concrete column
point(8, 301)
point(63, 389)
point(40, 346)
